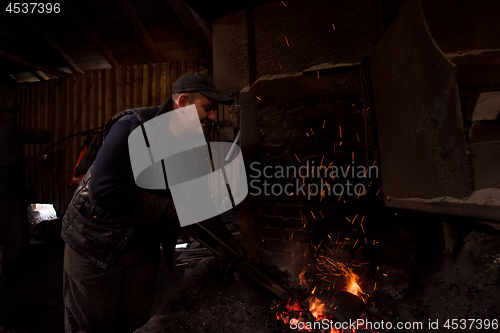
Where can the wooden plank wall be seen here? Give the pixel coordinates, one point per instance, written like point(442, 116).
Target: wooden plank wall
point(81, 103)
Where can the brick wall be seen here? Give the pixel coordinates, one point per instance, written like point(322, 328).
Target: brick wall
point(298, 120)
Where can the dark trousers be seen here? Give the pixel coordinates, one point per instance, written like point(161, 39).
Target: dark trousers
point(116, 299)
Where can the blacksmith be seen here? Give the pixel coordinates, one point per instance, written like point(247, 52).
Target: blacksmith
point(113, 228)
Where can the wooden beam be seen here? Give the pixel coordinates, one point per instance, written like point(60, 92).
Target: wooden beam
point(73, 67)
point(140, 30)
point(202, 24)
point(187, 18)
point(24, 63)
point(40, 75)
point(87, 28)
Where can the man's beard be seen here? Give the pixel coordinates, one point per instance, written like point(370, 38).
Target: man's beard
point(207, 131)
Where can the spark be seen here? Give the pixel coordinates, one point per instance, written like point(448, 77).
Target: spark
point(378, 191)
point(364, 176)
point(375, 287)
point(284, 4)
point(378, 267)
point(280, 66)
point(356, 242)
point(329, 166)
point(321, 162)
point(324, 124)
point(363, 229)
point(354, 219)
point(352, 156)
point(313, 215)
point(340, 196)
point(340, 143)
point(318, 74)
point(359, 249)
point(258, 98)
point(333, 27)
point(307, 134)
point(340, 131)
point(297, 157)
point(287, 42)
point(359, 193)
point(384, 274)
point(357, 136)
point(345, 173)
point(321, 214)
point(312, 131)
point(348, 219)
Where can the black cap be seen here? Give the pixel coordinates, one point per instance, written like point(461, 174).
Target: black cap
point(196, 82)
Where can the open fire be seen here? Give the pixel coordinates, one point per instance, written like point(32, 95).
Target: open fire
point(335, 304)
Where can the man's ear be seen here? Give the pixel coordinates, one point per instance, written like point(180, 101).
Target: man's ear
point(183, 101)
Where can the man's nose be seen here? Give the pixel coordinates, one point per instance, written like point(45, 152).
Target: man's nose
point(211, 115)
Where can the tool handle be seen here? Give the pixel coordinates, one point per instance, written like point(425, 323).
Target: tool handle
point(233, 148)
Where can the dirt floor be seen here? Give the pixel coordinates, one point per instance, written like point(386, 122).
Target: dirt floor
point(211, 302)
point(467, 287)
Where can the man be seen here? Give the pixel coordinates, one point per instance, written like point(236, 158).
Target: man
point(113, 228)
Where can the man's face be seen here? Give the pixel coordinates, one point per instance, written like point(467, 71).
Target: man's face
point(205, 106)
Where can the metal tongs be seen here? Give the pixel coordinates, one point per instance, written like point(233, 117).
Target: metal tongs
point(246, 268)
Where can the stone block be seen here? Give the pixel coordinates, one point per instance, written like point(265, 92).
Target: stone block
point(485, 157)
point(485, 131)
point(271, 232)
point(487, 107)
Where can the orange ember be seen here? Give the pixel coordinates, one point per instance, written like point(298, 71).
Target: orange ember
point(295, 305)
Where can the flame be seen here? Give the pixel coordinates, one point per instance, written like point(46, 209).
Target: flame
point(344, 272)
point(316, 307)
point(352, 284)
point(330, 270)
